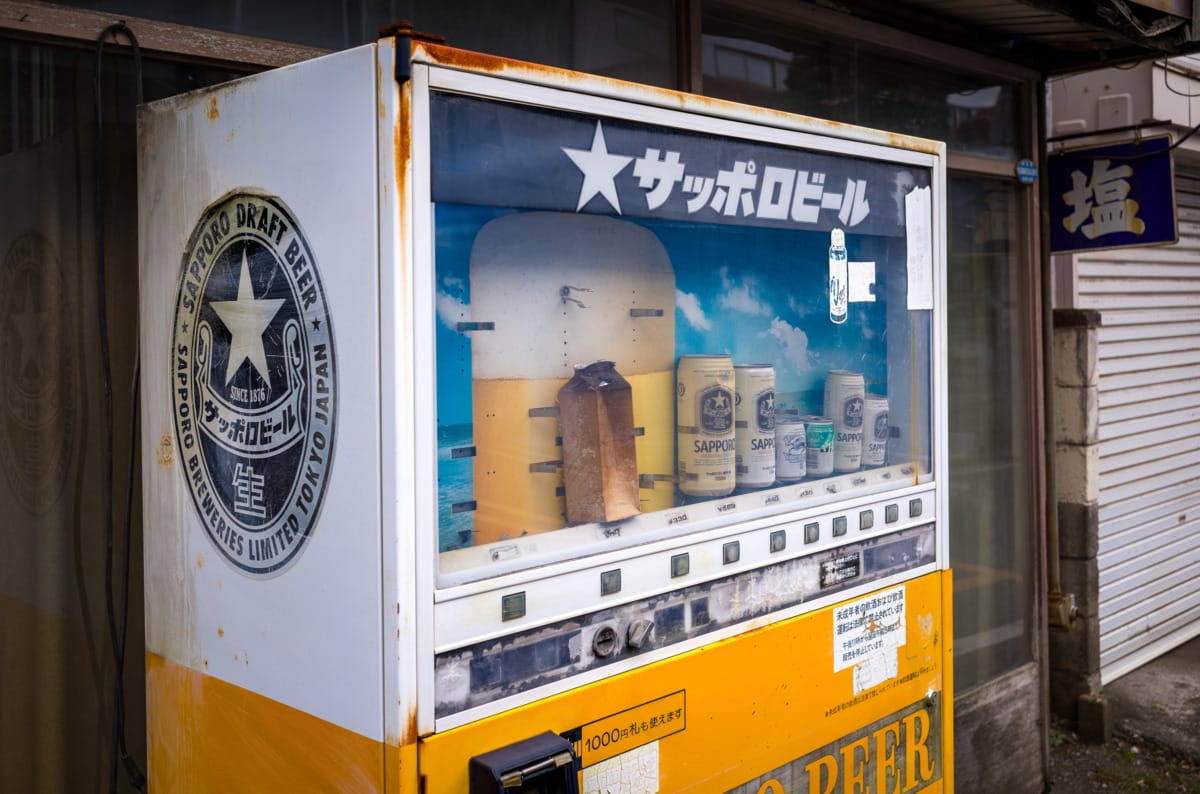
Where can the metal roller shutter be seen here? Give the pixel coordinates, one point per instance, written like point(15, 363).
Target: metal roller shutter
point(1149, 512)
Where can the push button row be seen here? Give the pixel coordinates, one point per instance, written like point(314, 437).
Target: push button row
point(512, 606)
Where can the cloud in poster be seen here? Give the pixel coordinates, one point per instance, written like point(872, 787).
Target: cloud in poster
point(741, 297)
point(452, 310)
point(793, 344)
point(690, 306)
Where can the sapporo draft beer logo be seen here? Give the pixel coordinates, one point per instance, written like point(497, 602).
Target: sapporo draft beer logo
point(38, 391)
point(254, 381)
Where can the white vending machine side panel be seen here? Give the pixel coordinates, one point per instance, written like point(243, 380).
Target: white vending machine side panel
point(260, 386)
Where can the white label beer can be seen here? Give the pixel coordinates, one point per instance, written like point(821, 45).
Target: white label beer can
point(875, 430)
point(819, 436)
point(754, 415)
point(705, 425)
point(791, 450)
point(844, 395)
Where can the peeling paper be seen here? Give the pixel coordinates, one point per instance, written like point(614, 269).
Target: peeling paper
point(634, 772)
point(874, 670)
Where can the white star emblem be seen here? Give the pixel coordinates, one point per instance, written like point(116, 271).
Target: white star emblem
point(599, 170)
point(247, 319)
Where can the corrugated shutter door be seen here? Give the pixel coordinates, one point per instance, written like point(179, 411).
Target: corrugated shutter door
point(1149, 349)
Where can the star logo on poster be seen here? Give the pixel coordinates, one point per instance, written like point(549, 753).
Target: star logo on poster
point(246, 318)
point(599, 170)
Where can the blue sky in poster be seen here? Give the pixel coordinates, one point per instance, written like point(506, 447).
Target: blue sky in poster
point(758, 294)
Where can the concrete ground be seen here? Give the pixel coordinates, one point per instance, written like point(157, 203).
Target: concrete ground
point(1156, 726)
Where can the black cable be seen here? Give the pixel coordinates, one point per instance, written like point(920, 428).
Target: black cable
point(1167, 84)
point(117, 629)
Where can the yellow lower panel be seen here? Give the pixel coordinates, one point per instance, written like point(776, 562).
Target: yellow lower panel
point(762, 712)
point(207, 735)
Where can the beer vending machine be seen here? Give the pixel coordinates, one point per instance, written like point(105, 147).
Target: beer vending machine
point(513, 429)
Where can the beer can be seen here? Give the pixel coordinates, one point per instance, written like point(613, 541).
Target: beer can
point(819, 436)
point(844, 394)
point(754, 418)
point(875, 430)
point(704, 425)
point(791, 449)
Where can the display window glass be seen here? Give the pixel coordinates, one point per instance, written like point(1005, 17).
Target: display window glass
point(646, 329)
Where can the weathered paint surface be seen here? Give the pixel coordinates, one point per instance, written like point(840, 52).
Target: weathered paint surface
point(206, 734)
point(753, 704)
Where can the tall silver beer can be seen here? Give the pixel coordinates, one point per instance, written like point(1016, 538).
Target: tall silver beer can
point(754, 415)
point(791, 449)
point(844, 395)
point(875, 430)
point(705, 425)
point(819, 434)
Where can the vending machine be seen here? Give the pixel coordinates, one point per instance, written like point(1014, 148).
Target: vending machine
point(513, 429)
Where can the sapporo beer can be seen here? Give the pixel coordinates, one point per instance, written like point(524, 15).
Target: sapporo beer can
point(875, 430)
point(754, 415)
point(791, 449)
point(705, 425)
point(819, 432)
point(844, 394)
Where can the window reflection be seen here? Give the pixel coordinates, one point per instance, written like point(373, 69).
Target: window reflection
point(848, 82)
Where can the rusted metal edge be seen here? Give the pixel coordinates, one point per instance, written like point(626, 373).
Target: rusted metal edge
point(536, 74)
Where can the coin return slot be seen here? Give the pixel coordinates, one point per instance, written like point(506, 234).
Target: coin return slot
point(778, 540)
point(891, 514)
point(812, 532)
point(914, 508)
point(681, 565)
point(866, 519)
point(731, 552)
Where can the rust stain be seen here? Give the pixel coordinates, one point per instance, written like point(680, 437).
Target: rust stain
point(236, 658)
point(220, 582)
point(205, 664)
point(165, 452)
point(199, 560)
point(220, 631)
point(214, 111)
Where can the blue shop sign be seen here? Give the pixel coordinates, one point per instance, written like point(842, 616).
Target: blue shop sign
point(1113, 196)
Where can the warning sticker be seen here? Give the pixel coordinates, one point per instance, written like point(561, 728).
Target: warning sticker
point(867, 627)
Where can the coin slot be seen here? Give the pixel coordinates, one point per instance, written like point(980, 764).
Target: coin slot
point(604, 643)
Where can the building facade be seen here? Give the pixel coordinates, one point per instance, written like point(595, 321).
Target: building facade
point(1126, 322)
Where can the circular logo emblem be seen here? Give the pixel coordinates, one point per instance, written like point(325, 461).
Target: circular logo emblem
point(881, 427)
point(765, 415)
point(254, 382)
point(852, 413)
point(38, 394)
point(716, 409)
